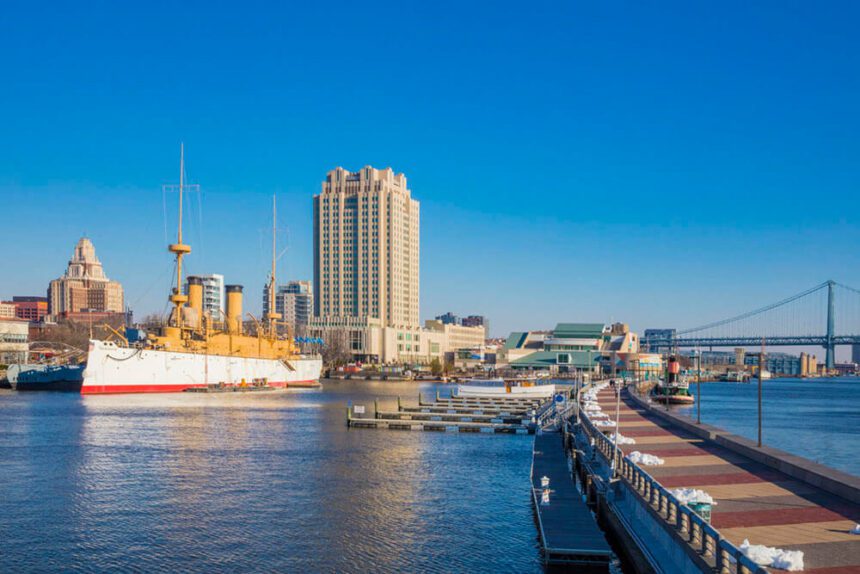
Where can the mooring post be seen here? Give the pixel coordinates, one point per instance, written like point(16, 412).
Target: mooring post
point(376, 408)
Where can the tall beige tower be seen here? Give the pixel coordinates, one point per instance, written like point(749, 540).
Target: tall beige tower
point(366, 244)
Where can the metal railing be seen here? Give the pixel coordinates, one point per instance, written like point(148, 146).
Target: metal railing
point(688, 526)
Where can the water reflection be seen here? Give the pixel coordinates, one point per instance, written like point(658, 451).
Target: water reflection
point(265, 482)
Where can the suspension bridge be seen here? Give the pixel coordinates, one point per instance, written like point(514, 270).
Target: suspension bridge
point(826, 315)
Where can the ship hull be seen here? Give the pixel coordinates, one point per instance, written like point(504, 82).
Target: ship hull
point(113, 369)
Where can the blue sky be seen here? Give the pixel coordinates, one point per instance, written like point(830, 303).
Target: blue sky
point(664, 165)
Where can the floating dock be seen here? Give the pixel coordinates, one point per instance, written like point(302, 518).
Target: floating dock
point(491, 415)
point(568, 532)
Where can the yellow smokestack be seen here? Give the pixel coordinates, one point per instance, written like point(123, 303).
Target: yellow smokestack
point(195, 299)
point(234, 308)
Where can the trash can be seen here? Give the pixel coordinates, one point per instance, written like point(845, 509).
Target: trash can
point(703, 509)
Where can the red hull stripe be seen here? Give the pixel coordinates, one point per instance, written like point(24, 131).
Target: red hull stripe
point(115, 389)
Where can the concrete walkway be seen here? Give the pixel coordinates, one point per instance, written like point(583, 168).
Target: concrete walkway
point(754, 501)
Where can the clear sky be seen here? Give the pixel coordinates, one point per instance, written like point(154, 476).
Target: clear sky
point(664, 164)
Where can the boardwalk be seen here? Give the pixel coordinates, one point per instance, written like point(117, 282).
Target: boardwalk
point(754, 501)
point(569, 534)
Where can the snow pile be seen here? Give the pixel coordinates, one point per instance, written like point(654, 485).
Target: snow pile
point(692, 495)
point(598, 415)
point(592, 407)
point(622, 439)
point(856, 529)
point(604, 423)
point(637, 457)
point(791, 560)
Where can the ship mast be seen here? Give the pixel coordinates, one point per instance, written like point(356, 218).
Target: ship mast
point(179, 249)
point(273, 315)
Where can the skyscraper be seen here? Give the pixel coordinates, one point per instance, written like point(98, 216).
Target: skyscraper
point(366, 245)
point(84, 288)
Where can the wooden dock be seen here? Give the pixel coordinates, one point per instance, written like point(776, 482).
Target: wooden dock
point(449, 415)
point(569, 534)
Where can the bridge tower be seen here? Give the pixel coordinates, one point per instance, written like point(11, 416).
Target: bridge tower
point(830, 357)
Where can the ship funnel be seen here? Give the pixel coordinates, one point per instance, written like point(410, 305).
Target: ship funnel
point(195, 299)
point(234, 308)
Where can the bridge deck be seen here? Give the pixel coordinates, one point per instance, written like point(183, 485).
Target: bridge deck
point(754, 501)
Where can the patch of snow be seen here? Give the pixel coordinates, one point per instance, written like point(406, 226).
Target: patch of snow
point(604, 423)
point(622, 439)
point(791, 560)
point(637, 457)
point(691, 495)
point(856, 529)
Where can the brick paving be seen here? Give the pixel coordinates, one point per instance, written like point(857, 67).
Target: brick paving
point(754, 501)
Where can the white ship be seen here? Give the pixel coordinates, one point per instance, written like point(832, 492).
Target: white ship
point(195, 349)
point(516, 388)
point(117, 369)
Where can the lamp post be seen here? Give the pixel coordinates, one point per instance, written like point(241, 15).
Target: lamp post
point(761, 362)
point(698, 357)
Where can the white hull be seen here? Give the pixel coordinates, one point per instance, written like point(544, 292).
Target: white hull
point(113, 369)
point(534, 391)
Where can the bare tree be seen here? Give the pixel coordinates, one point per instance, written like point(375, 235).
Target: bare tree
point(336, 349)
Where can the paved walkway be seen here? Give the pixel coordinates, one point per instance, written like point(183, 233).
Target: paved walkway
point(754, 501)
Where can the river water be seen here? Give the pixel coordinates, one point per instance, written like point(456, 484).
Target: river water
point(268, 482)
point(815, 418)
point(275, 482)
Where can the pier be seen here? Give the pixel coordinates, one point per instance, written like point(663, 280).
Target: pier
point(495, 416)
point(568, 533)
point(762, 495)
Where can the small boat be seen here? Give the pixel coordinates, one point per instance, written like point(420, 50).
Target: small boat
point(511, 388)
point(38, 377)
point(676, 393)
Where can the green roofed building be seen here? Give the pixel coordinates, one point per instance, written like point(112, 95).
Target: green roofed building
point(569, 347)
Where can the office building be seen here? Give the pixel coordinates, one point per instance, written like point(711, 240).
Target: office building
point(28, 308)
point(84, 288)
point(477, 321)
point(448, 318)
point(366, 248)
point(293, 301)
point(213, 294)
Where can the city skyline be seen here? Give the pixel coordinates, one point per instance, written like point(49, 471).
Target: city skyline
point(714, 190)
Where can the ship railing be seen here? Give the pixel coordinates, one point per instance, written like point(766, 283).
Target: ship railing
point(687, 525)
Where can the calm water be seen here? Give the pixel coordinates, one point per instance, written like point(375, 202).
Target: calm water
point(269, 482)
point(816, 419)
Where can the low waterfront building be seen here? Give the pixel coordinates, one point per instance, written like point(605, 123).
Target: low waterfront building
point(370, 341)
point(13, 342)
point(84, 287)
point(583, 347)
